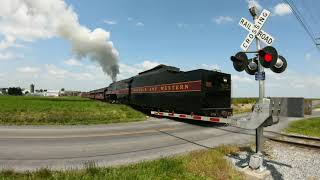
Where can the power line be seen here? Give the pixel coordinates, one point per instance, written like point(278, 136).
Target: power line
point(302, 21)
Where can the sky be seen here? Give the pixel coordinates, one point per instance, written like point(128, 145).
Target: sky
point(81, 45)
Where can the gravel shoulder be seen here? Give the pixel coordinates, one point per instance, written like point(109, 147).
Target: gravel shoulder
point(285, 161)
point(292, 162)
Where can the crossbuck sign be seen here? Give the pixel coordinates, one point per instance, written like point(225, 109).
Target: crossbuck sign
point(255, 30)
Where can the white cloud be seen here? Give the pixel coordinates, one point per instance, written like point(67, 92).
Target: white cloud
point(287, 84)
point(19, 22)
point(55, 71)
point(127, 71)
point(28, 69)
point(148, 65)
point(282, 9)
point(254, 3)
point(7, 42)
point(82, 76)
point(110, 22)
point(59, 73)
point(73, 62)
point(241, 79)
point(182, 25)
point(223, 19)
point(291, 83)
point(210, 66)
point(5, 56)
point(130, 19)
point(308, 56)
point(139, 24)
point(91, 67)
point(31, 20)
point(9, 55)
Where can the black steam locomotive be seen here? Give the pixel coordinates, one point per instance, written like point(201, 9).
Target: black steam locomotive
point(166, 88)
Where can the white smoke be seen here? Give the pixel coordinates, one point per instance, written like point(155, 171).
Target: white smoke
point(29, 20)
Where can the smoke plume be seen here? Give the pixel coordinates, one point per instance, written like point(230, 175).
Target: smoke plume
point(28, 20)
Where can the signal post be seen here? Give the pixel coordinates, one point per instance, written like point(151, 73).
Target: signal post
point(266, 57)
point(259, 130)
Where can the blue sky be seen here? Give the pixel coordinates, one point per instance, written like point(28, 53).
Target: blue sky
point(187, 34)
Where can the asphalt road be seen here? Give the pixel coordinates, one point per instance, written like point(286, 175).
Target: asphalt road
point(65, 147)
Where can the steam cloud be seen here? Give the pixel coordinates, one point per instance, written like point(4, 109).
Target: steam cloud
point(28, 20)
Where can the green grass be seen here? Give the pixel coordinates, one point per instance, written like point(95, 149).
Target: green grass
point(20, 110)
point(200, 165)
point(308, 127)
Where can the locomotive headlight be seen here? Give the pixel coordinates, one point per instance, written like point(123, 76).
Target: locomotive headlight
point(225, 80)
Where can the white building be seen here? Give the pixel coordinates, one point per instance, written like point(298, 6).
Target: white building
point(51, 93)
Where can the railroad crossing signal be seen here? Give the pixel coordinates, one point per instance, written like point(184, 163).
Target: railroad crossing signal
point(240, 61)
point(252, 67)
point(268, 56)
point(253, 29)
point(263, 36)
point(280, 65)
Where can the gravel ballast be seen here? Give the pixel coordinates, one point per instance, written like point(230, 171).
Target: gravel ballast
point(286, 161)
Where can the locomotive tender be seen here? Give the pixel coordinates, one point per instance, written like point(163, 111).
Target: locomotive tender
point(166, 88)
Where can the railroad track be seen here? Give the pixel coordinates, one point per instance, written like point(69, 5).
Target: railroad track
point(304, 141)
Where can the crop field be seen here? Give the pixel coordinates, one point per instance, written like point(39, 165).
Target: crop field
point(201, 165)
point(23, 110)
point(308, 127)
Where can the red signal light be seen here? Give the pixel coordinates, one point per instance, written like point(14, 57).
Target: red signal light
point(268, 57)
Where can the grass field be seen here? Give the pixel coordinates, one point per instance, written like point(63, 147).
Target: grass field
point(24, 110)
point(309, 127)
point(242, 105)
point(200, 165)
point(236, 101)
point(20, 110)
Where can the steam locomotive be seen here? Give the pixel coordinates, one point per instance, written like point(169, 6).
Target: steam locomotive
point(166, 88)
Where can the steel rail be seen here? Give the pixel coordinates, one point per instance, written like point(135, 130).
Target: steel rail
point(310, 142)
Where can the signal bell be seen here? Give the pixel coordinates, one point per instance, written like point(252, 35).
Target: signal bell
point(280, 66)
point(268, 56)
point(240, 61)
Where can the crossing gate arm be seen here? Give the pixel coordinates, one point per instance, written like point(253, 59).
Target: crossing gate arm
point(261, 115)
point(192, 117)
